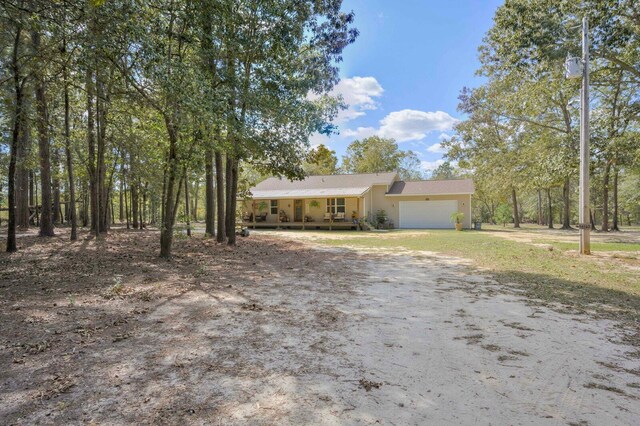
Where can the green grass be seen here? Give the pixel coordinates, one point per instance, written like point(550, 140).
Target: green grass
point(596, 247)
point(577, 282)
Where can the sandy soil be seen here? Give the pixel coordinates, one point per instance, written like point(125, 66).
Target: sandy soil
point(285, 332)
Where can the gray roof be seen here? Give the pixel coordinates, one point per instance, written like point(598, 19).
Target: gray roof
point(432, 187)
point(321, 186)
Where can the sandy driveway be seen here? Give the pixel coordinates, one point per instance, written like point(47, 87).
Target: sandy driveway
point(333, 337)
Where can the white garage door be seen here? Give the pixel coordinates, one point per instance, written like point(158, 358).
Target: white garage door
point(427, 214)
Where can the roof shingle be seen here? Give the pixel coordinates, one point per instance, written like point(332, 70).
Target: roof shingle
point(432, 187)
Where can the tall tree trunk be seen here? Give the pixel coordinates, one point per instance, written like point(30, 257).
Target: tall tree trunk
point(187, 213)
point(550, 209)
point(126, 202)
point(102, 189)
point(166, 232)
point(121, 212)
point(615, 227)
point(209, 194)
point(15, 139)
point(566, 197)
point(55, 217)
point(228, 196)
point(221, 234)
point(91, 151)
point(42, 124)
point(196, 191)
point(605, 197)
point(516, 216)
point(134, 200)
point(540, 212)
point(67, 147)
point(233, 201)
point(22, 170)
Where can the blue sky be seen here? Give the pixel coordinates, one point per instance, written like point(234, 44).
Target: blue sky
point(403, 74)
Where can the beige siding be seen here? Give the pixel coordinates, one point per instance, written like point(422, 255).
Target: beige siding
point(316, 213)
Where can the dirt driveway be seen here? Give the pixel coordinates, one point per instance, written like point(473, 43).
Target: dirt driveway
point(285, 332)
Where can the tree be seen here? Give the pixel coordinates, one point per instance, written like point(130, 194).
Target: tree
point(444, 171)
point(321, 161)
point(503, 214)
point(372, 155)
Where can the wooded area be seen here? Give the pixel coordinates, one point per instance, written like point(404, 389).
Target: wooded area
point(136, 105)
point(520, 140)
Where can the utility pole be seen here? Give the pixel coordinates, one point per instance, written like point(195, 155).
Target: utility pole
point(584, 216)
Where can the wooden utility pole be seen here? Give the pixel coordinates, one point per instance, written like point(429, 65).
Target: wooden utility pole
point(585, 227)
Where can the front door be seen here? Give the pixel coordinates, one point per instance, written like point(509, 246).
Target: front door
point(297, 210)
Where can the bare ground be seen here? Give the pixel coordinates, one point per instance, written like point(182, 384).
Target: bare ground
point(282, 332)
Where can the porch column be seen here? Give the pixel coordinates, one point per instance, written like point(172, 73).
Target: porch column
point(304, 212)
point(253, 213)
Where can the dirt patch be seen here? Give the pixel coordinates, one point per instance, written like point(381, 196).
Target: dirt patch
point(281, 331)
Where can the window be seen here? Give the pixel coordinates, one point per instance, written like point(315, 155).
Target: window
point(335, 205)
point(274, 206)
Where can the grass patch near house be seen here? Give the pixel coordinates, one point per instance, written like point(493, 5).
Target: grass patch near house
point(605, 285)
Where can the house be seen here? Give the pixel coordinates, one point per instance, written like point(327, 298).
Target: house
point(335, 200)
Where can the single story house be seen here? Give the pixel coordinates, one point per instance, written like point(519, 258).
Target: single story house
point(318, 201)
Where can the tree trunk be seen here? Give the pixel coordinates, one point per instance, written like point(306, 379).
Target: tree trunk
point(91, 151)
point(221, 235)
point(22, 173)
point(121, 194)
point(605, 197)
point(196, 191)
point(42, 124)
point(550, 209)
point(134, 200)
point(187, 213)
point(516, 217)
point(615, 227)
point(228, 195)
point(566, 197)
point(166, 232)
point(540, 212)
point(67, 146)
point(15, 139)
point(55, 217)
point(592, 220)
point(233, 201)
point(101, 121)
point(209, 194)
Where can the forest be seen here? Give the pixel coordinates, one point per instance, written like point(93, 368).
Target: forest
point(128, 111)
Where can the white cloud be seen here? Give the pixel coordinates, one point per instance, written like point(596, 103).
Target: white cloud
point(318, 139)
point(437, 149)
point(359, 94)
point(429, 166)
point(360, 132)
point(411, 124)
point(444, 136)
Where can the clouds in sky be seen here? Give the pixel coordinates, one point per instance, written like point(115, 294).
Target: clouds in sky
point(429, 166)
point(409, 124)
point(359, 94)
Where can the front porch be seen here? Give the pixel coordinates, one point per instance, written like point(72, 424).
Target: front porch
point(304, 213)
point(302, 225)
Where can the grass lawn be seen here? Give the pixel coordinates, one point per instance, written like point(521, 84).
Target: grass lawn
point(606, 283)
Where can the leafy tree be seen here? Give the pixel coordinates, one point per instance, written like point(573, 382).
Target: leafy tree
point(321, 161)
point(444, 171)
point(502, 214)
point(376, 154)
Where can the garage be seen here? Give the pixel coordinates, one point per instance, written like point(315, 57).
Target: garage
point(427, 214)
